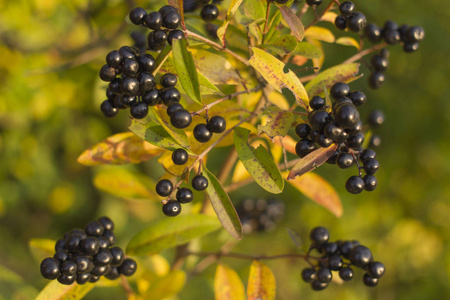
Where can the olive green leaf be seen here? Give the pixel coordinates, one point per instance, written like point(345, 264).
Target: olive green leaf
point(278, 122)
point(153, 133)
point(307, 50)
point(282, 45)
point(297, 29)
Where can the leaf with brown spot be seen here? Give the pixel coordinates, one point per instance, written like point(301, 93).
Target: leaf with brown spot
point(279, 122)
point(311, 161)
point(261, 282)
point(121, 148)
point(227, 284)
point(296, 26)
point(320, 191)
point(154, 133)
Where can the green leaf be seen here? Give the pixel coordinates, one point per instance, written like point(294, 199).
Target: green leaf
point(230, 13)
point(171, 232)
point(223, 206)
point(186, 70)
point(297, 29)
point(57, 291)
point(272, 70)
point(42, 248)
point(258, 162)
point(166, 286)
point(320, 33)
point(215, 67)
point(282, 45)
point(311, 161)
point(250, 11)
point(154, 133)
point(307, 50)
point(340, 73)
point(163, 119)
point(261, 282)
point(162, 56)
point(279, 122)
point(227, 284)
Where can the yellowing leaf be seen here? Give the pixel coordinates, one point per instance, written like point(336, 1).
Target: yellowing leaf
point(320, 33)
point(311, 161)
point(230, 13)
point(307, 50)
point(153, 133)
point(288, 143)
point(169, 166)
point(56, 291)
point(42, 248)
point(227, 284)
point(279, 122)
point(278, 100)
point(166, 286)
point(319, 190)
point(348, 41)
point(261, 282)
point(282, 45)
point(329, 16)
point(215, 67)
point(121, 148)
point(272, 70)
point(296, 26)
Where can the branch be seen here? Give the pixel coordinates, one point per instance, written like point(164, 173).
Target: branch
point(361, 54)
point(319, 17)
point(254, 257)
point(126, 286)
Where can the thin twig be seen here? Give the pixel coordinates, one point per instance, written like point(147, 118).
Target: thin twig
point(361, 54)
point(319, 17)
point(126, 286)
point(253, 257)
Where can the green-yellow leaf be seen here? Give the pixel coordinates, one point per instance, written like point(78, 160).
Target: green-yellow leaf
point(320, 191)
point(307, 50)
point(261, 282)
point(166, 286)
point(250, 11)
point(57, 291)
point(348, 41)
point(223, 206)
point(340, 73)
point(279, 122)
point(227, 284)
point(42, 248)
point(272, 70)
point(296, 26)
point(186, 70)
point(154, 133)
point(282, 45)
point(171, 232)
point(311, 161)
point(258, 162)
point(320, 33)
point(160, 115)
point(230, 13)
point(215, 67)
point(161, 58)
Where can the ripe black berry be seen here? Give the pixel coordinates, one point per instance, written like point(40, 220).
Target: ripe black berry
point(366, 154)
point(410, 47)
point(103, 258)
point(318, 119)
point(151, 98)
point(346, 273)
point(356, 22)
point(317, 102)
point(184, 195)
point(346, 8)
point(202, 133)
point(209, 13)
point(376, 118)
point(129, 85)
point(168, 80)
point(172, 208)
point(139, 110)
point(107, 223)
point(100, 270)
point(113, 273)
point(50, 268)
point(175, 35)
point(84, 264)
point(127, 52)
point(344, 160)
point(128, 267)
point(313, 135)
point(146, 81)
point(360, 256)
point(173, 108)
point(375, 269)
point(414, 34)
point(73, 242)
point(358, 98)
point(130, 67)
point(110, 237)
point(355, 141)
point(181, 119)
point(89, 246)
point(199, 183)
point(379, 63)
point(153, 20)
point(146, 62)
point(319, 236)
point(170, 96)
point(313, 2)
point(372, 32)
point(371, 166)
point(66, 279)
point(304, 147)
point(340, 22)
point(180, 156)
point(117, 256)
point(137, 15)
point(217, 124)
point(127, 100)
point(370, 281)
point(114, 59)
point(335, 262)
point(339, 90)
point(165, 9)
point(60, 245)
point(171, 20)
point(323, 141)
point(164, 187)
point(83, 278)
point(61, 256)
point(318, 286)
point(333, 131)
point(107, 73)
point(376, 80)
point(94, 278)
point(391, 37)
point(103, 243)
point(332, 159)
point(159, 36)
point(370, 182)
point(69, 268)
point(302, 130)
point(114, 86)
point(355, 185)
point(95, 228)
point(308, 274)
point(345, 248)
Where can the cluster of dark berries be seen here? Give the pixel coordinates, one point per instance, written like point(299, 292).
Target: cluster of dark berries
point(86, 255)
point(208, 13)
point(203, 132)
point(164, 187)
point(260, 215)
point(379, 63)
point(163, 24)
point(339, 256)
point(349, 18)
point(392, 34)
point(341, 126)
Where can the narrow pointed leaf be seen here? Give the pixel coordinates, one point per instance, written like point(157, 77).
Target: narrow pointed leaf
point(320, 191)
point(272, 70)
point(161, 58)
point(160, 115)
point(230, 13)
point(42, 248)
point(307, 50)
point(56, 291)
point(171, 232)
point(227, 284)
point(296, 26)
point(279, 122)
point(223, 206)
point(348, 41)
point(186, 70)
point(261, 282)
point(282, 45)
point(258, 162)
point(311, 161)
point(340, 73)
point(154, 133)
point(166, 286)
point(320, 33)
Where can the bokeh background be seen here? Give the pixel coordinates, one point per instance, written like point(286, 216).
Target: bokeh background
point(50, 54)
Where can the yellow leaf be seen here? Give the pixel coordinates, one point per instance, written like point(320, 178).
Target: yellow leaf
point(348, 41)
point(329, 17)
point(170, 167)
point(261, 282)
point(230, 13)
point(227, 284)
point(320, 33)
point(215, 67)
point(317, 62)
point(278, 100)
point(288, 143)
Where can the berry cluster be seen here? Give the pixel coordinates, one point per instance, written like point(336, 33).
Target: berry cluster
point(349, 18)
point(392, 34)
point(380, 63)
point(208, 13)
point(86, 255)
point(163, 24)
point(339, 256)
point(260, 215)
point(343, 127)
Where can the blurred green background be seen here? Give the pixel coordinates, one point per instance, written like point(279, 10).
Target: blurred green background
point(50, 54)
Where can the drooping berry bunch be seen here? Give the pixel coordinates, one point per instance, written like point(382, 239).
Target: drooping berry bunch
point(163, 23)
point(380, 63)
point(209, 12)
point(342, 126)
point(349, 18)
point(341, 257)
point(85, 255)
point(260, 215)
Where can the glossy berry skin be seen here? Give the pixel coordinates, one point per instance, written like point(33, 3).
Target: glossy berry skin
point(324, 275)
point(127, 100)
point(345, 248)
point(172, 208)
point(209, 13)
point(360, 256)
point(354, 185)
point(319, 236)
point(137, 15)
point(317, 102)
point(130, 67)
point(103, 243)
point(371, 166)
point(66, 279)
point(372, 33)
point(355, 141)
point(95, 228)
point(379, 63)
point(119, 102)
point(323, 141)
point(168, 80)
point(313, 134)
point(173, 108)
point(83, 278)
point(151, 98)
point(60, 245)
point(346, 8)
point(217, 124)
point(308, 274)
point(390, 25)
point(61, 256)
point(73, 242)
point(302, 130)
point(181, 119)
point(313, 2)
point(199, 183)
point(69, 268)
point(110, 237)
point(103, 258)
point(107, 73)
point(89, 246)
point(366, 154)
point(164, 187)
point(113, 273)
point(84, 264)
point(340, 22)
point(356, 22)
point(129, 85)
point(414, 34)
point(180, 156)
point(392, 37)
point(318, 119)
point(370, 281)
point(117, 256)
point(347, 116)
point(170, 96)
point(410, 47)
point(159, 36)
point(171, 20)
point(332, 159)
point(114, 86)
point(346, 273)
point(184, 195)
point(335, 262)
point(50, 268)
point(100, 270)
point(376, 118)
point(165, 9)
point(329, 248)
point(128, 267)
point(175, 35)
point(304, 147)
point(344, 160)
point(358, 98)
point(318, 286)
point(77, 231)
point(202, 133)
point(94, 278)
point(146, 62)
point(107, 223)
point(332, 131)
point(153, 20)
point(375, 269)
point(339, 90)
point(370, 183)
point(146, 81)
point(114, 59)
point(376, 80)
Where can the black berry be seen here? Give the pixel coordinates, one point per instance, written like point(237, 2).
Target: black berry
point(171, 20)
point(355, 185)
point(175, 35)
point(313, 2)
point(146, 62)
point(317, 102)
point(217, 124)
point(180, 156)
point(103, 258)
point(346, 8)
point(139, 110)
point(168, 80)
point(50, 268)
point(308, 274)
point(340, 22)
point(151, 98)
point(372, 32)
point(355, 141)
point(137, 15)
point(128, 267)
point(66, 279)
point(172, 208)
point(366, 154)
point(107, 223)
point(170, 96)
point(370, 183)
point(69, 268)
point(202, 133)
point(209, 13)
point(129, 85)
point(318, 119)
point(84, 264)
point(89, 246)
point(370, 281)
point(164, 187)
point(117, 256)
point(371, 166)
point(146, 81)
point(356, 22)
point(360, 256)
point(114, 59)
point(184, 195)
point(344, 160)
point(302, 130)
point(107, 73)
point(358, 98)
point(376, 80)
point(339, 90)
point(304, 147)
point(375, 269)
point(319, 236)
point(346, 273)
point(376, 118)
point(153, 20)
point(199, 183)
point(173, 108)
point(83, 278)
point(181, 119)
